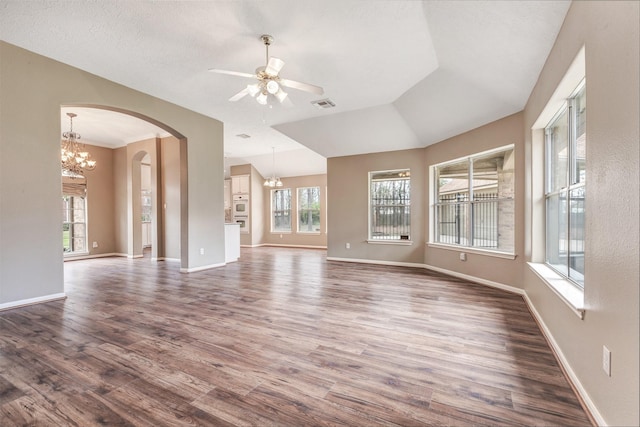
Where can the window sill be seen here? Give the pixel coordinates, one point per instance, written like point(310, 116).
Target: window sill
point(391, 242)
point(570, 294)
point(470, 250)
point(313, 233)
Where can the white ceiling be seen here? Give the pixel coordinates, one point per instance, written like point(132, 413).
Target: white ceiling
point(402, 73)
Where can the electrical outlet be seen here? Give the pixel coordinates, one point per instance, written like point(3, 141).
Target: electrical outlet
point(201, 251)
point(95, 244)
point(347, 245)
point(606, 360)
point(463, 256)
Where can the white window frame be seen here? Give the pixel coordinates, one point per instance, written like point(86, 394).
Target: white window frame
point(573, 183)
point(72, 224)
point(401, 239)
point(469, 231)
point(300, 209)
point(567, 292)
point(272, 211)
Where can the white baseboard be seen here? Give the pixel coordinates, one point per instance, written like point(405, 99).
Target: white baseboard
point(31, 301)
point(474, 279)
point(79, 257)
point(573, 378)
point(371, 261)
point(204, 267)
point(165, 259)
point(282, 245)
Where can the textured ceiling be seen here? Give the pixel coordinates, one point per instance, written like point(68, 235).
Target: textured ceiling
point(403, 74)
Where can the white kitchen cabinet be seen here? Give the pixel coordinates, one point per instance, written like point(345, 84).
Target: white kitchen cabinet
point(231, 242)
point(240, 184)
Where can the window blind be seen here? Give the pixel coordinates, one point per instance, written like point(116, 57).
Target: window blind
point(76, 187)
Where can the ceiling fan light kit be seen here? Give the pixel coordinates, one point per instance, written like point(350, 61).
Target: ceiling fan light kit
point(269, 82)
point(272, 87)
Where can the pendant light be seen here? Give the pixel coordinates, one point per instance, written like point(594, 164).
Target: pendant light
point(273, 182)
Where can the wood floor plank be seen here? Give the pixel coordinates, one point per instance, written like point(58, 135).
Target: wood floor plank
point(8, 391)
point(282, 337)
point(31, 411)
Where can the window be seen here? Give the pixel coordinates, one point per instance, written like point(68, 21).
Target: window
point(74, 214)
point(474, 203)
point(565, 188)
point(390, 205)
point(145, 206)
point(281, 210)
point(309, 210)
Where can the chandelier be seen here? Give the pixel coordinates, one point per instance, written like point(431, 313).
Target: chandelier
point(75, 160)
point(273, 181)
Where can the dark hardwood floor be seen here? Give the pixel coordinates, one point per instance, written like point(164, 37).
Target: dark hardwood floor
point(280, 338)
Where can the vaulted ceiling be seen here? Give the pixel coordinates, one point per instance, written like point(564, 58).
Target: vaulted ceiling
point(402, 73)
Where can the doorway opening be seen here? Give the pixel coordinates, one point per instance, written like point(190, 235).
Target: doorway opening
point(123, 195)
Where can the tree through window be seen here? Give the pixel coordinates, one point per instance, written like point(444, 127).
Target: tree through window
point(281, 210)
point(309, 210)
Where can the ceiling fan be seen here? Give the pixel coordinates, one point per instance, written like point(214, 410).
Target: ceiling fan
point(269, 82)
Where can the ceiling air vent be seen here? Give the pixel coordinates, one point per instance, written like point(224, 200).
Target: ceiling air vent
point(243, 135)
point(324, 103)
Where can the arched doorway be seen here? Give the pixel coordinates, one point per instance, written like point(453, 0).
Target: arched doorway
point(137, 199)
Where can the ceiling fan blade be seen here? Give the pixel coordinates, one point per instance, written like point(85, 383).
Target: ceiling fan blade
point(274, 66)
point(302, 86)
point(244, 92)
point(287, 103)
point(233, 73)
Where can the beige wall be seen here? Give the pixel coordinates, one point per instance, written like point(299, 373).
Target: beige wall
point(609, 32)
point(170, 204)
point(294, 238)
point(348, 181)
point(120, 201)
point(32, 91)
point(497, 134)
point(100, 200)
point(257, 207)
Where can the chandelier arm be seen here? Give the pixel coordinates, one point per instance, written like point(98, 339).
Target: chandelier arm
point(73, 157)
